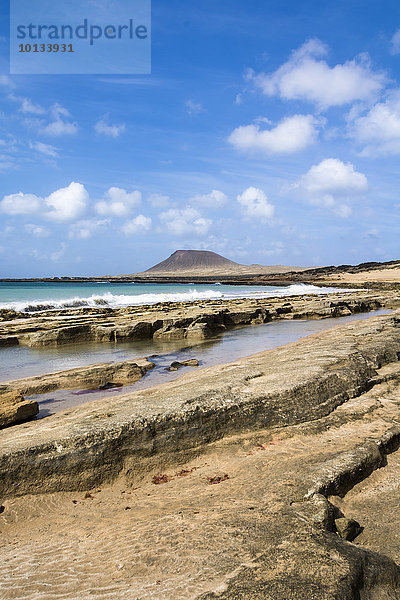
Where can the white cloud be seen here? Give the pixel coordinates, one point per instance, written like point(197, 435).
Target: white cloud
point(138, 225)
point(306, 77)
point(118, 202)
point(83, 230)
point(27, 106)
point(332, 184)
point(395, 43)
point(379, 130)
point(57, 111)
point(59, 127)
point(290, 135)
point(37, 230)
point(215, 199)
point(186, 221)
point(63, 204)
point(159, 200)
point(334, 176)
point(255, 204)
point(20, 204)
point(59, 123)
point(193, 108)
point(67, 203)
point(102, 127)
point(46, 149)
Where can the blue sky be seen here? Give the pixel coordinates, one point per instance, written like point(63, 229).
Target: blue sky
point(268, 132)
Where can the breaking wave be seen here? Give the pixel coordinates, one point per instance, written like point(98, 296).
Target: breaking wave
point(121, 300)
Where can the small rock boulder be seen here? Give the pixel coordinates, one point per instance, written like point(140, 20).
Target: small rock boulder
point(15, 409)
point(348, 529)
point(174, 366)
point(190, 362)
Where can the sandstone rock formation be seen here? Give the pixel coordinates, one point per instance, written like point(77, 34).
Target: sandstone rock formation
point(178, 321)
point(292, 384)
point(285, 436)
point(96, 376)
point(15, 409)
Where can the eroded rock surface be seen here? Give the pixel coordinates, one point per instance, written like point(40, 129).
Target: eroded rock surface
point(295, 383)
point(179, 320)
point(15, 409)
point(93, 377)
point(284, 437)
point(256, 533)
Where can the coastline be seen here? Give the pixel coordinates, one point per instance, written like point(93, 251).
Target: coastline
point(262, 390)
point(320, 410)
point(177, 320)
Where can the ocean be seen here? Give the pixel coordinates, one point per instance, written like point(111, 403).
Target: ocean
point(35, 296)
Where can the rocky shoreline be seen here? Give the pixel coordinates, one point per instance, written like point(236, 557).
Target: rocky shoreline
point(97, 376)
point(320, 410)
point(99, 440)
point(177, 320)
point(251, 468)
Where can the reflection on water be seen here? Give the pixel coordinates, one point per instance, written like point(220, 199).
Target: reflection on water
point(17, 362)
point(230, 346)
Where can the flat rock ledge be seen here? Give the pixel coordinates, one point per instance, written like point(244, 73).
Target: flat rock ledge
point(178, 320)
point(92, 377)
point(300, 382)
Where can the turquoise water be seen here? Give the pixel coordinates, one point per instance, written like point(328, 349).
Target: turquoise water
point(35, 296)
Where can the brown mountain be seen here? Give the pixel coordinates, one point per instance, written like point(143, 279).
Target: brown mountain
point(206, 263)
point(193, 260)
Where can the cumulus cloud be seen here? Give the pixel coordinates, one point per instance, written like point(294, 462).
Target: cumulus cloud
point(37, 230)
point(138, 225)
point(331, 184)
point(305, 76)
point(186, 221)
point(215, 199)
point(67, 203)
point(290, 135)
point(193, 108)
point(255, 204)
point(379, 130)
point(20, 204)
point(395, 43)
point(85, 229)
point(118, 202)
point(103, 128)
point(62, 205)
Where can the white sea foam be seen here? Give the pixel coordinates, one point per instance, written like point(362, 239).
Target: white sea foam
point(122, 300)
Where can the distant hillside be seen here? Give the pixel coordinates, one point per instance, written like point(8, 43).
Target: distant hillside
point(193, 260)
point(208, 264)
